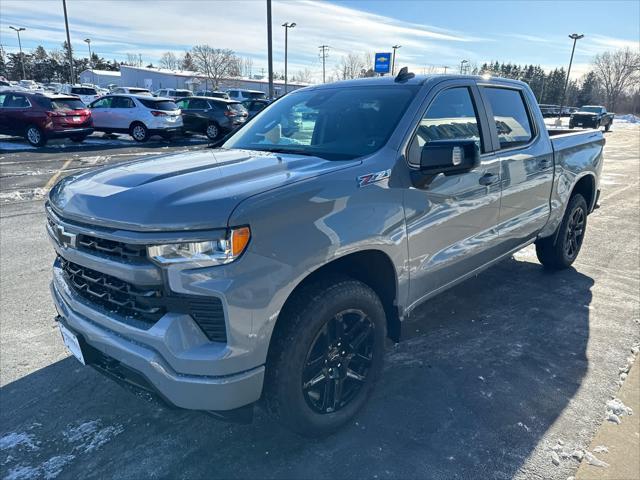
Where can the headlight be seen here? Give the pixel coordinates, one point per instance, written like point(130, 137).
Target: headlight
point(210, 252)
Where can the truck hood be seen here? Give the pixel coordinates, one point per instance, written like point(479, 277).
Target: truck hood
point(187, 191)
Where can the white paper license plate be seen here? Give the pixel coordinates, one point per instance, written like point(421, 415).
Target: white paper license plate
point(76, 119)
point(579, 124)
point(71, 342)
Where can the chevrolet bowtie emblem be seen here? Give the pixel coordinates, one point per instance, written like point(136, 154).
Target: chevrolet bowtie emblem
point(65, 238)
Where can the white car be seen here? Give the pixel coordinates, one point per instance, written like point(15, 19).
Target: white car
point(138, 115)
point(172, 93)
point(29, 85)
point(132, 91)
point(86, 94)
point(242, 95)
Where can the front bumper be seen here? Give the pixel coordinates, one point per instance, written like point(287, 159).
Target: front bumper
point(583, 122)
point(161, 356)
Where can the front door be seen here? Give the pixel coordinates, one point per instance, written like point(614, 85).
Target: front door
point(452, 221)
point(100, 113)
point(526, 161)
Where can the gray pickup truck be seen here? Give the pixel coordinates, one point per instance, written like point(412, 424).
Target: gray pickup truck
point(273, 268)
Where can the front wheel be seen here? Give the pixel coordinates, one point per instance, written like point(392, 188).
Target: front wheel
point(607, 127)
point(560, 250)
point(139, 132)
point(34, 136)
point(326, 357)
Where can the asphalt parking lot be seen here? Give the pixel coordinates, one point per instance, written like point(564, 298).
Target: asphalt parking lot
point(491, 375)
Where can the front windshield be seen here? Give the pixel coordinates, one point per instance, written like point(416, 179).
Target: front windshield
point(591, 109)
point(334, 123)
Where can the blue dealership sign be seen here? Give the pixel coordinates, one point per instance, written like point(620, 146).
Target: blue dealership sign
point(382, 63)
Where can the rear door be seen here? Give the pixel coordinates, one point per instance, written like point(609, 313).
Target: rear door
point(526, 162)
point(198, 114)
point(122, 113)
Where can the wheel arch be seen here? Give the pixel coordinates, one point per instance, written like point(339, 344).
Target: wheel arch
point(586, 186)
point(372, 267)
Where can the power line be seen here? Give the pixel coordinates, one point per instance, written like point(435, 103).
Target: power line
point(323, 55)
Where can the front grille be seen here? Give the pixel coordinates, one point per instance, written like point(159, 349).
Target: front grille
point(111, 248)
point(114, 294)
point(144, 304)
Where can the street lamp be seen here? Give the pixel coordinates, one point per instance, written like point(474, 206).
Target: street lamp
point(462, 66)
point(18, 30)
point(93, 75)
point(286, 26)
point(575, 37)
point(393, 59)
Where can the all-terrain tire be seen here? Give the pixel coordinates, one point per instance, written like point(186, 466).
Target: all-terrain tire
point(298, 344)
point(561, 249)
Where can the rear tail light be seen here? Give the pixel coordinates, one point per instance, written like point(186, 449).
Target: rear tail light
point(230, 113)
point(52, 113)
point(156, 113)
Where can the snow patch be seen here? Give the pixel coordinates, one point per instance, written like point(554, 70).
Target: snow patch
point(22, 472)
point(593, 460)
point(13, 440)
point(53, 467)
point(601, 449)
point(19, 195)
point(616, 409)
point(628, 118)
point(91, 435)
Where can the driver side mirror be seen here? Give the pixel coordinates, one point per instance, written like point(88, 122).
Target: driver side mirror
point(450, 157)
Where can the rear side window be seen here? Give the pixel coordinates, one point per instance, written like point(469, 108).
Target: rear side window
point(510, 115)
point(83, 91)
point(122, 102)
point(104, 102)
point(198, 104)
point(182, 94)
point(164, 105)
point(257, 95)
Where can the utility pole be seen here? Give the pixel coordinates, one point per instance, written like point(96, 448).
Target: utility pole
point(323, 56)
point(93, 75)
point(445, 69)
point(269, 50)
point(462, 66)
point(18, 30)
point(575, 37)
point(393, 60)
point(286, 26)
point(72, 77)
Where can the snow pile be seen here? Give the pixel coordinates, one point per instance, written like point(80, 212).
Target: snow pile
point(628, 118)
point(624, 371)
point(601, 449)
point(21, 195)
point(13, 440)
point(560, 452)
point(593, 460)
point(616, 409)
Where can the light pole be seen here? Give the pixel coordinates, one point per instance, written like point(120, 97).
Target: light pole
point(575, 37)
point(286, 26)
point(93, 75)
point(72, 77)
point(18, 30)
point(393, 59)
point(462, 65)
point(323, 56)
point(269, 50)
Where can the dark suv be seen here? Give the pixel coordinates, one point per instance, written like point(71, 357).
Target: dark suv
point(39, 117)
point(211, 116)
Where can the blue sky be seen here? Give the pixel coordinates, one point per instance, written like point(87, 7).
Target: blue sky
point(432, 33)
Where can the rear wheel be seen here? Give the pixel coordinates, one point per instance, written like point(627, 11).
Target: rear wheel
point(212, 131)
point(139, 132)
point(35, 136)
point(326, 358)
point(560, 250)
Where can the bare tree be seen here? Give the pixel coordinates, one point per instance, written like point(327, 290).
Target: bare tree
point(169, 61)
point(214, 63)
point(350, 66)
point(133, 59)
point(617, 72)
point(303, 76)
point(247, 67)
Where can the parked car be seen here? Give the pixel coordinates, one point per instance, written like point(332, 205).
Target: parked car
point(549, 110)
point(212, 93)
point(138, 115)
point(255, 106)
point(172, 93)
point(39, 117)
point(86, 94)
point(212, 116)
point(29, 85)
point(274, 267)
point(592, 116)
point(132, 91)
point(242, 94)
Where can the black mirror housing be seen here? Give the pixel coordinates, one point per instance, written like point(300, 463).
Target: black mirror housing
point(449, 157)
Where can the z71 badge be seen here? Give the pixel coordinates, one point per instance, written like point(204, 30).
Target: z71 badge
point(369, 178)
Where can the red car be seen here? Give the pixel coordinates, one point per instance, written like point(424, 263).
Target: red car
point(39, 117)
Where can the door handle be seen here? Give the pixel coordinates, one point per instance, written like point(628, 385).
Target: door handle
point(488, 179)
point(544, 163)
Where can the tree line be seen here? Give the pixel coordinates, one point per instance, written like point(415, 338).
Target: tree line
point(613, 80)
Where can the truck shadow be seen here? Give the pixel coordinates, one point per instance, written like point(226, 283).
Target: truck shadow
point(485, 371)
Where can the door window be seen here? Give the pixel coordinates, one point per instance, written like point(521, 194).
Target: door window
point(122, 102)
point(183, 104)
point(510, 115)
point(198, 104)
point(102, 103)
point(16, 101)
point(451, 116)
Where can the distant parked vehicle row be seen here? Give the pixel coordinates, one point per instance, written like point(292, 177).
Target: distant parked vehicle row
point(212, 116)
point(39, 117)
point(212, 93)
point(132, 91)
point(172, 93)
point(242, 95)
